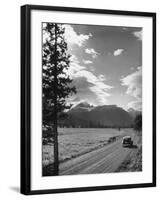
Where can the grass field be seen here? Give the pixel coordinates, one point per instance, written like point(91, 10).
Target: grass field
point(77, 141)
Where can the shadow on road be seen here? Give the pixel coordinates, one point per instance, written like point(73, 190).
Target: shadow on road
point(132, 147)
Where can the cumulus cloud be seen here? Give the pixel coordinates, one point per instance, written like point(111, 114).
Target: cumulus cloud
point(118, 52)
point(87, 62)
point(74, 69)
point(134, 83)
point(90, 88)
point(134, 88)
point(91, 52)
point(138, 34)
point(74, 66)
point(74, 38)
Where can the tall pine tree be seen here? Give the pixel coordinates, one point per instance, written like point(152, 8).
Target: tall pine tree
point(56, 83)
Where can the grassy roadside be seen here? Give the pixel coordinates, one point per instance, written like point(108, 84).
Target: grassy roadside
point(48, 170)
point(76, 142)
point(133, 162)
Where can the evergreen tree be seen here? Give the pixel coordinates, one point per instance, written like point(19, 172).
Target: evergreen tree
point(56, 83)
point(138, 123)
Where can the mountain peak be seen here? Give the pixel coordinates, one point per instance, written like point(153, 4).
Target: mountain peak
point(131, 110)
point(84, 104)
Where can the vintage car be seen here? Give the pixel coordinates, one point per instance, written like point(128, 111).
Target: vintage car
point(127, 141)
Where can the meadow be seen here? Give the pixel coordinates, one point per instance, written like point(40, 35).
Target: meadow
point(74, 142)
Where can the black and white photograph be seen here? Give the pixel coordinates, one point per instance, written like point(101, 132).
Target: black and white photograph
point(88, 103)
point(91, 99)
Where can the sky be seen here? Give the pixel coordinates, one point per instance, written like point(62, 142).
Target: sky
point(106, 64)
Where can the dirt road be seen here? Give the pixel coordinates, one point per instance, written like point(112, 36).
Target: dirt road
point(103, 160)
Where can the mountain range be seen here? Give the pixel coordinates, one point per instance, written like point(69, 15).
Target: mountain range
point(85, 115)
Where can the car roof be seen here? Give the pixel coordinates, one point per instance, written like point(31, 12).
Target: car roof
point(126, 137)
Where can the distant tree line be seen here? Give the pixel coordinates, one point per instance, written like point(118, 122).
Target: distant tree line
point(71, 122)
point(89, 124)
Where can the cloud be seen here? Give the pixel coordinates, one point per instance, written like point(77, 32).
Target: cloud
point(134, 87)
point(74, 66)
point(91, 52)
point(73, 38)
point(87, 62)
point(102, 77)
point(74, 69)
point(137, 105)
point(138, 34)
point(74, 59)
point(134, 83)
point(90, 88)
point(118, 52)
point(91, 68)
point(76, 99)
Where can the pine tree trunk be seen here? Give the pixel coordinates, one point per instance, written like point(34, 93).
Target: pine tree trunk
point(56, 159)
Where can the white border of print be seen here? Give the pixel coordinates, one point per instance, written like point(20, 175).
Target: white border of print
point(41, 183)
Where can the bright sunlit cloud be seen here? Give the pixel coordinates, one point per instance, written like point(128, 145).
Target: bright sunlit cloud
point(90, 88)
point(138, 34)
point(91, 52)
point(74, 38)
point(87, 62)
point(102, 77)
point(118, 52)
point(134, 88)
